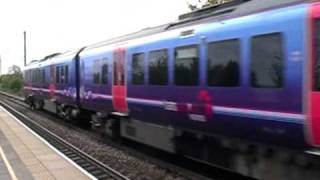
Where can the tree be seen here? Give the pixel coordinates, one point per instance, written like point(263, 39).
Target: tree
point(205, 3)
point(14, 69)
point(13, 81)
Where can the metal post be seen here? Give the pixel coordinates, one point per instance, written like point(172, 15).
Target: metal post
point(25, 48)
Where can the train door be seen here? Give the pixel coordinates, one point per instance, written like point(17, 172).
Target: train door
point(314, 97)
point(119, 89)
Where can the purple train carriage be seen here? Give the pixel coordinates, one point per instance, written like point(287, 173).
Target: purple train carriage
point(243, 72)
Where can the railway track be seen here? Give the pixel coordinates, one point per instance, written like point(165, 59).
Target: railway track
point(90, 164)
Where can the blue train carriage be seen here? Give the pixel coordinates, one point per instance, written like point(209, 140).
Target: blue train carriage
point(27, 82)
point(240, 78)
point(53, 83)
point(245, 74)
point(33, 83)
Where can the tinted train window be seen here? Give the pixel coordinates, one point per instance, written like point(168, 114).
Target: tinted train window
point(104, 72)
point(30, 76)
point(57, 74)
point(62, 75)
point(38, 76)
point(52, 73)
point(223, 63)
point(66, 74)
point(43, 76)
point(317, 56)
point(186, 66)
point(33, 76)
point(267, 61)
point(158, 67)
point(96, 71)
point(138, 69)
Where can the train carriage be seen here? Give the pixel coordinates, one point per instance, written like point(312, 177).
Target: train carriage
point(52, 82)
point(244, 72)
point(212, 75)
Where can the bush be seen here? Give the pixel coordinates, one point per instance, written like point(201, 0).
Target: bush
point(16, 84)
point(12, 82)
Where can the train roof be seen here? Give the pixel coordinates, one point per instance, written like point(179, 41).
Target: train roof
point(53, 59)
point(229, 10)
point(233, 9)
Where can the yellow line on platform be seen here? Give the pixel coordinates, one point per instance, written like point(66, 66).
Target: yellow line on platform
point(6, 162)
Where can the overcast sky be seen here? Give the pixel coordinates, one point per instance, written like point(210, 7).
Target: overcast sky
point(60, 25)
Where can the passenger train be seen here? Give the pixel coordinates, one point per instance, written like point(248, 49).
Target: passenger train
point(246, 71)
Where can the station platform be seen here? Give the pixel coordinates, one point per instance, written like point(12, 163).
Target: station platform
point(25, 155)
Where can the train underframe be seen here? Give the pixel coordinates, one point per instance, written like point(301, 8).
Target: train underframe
point(248, 158)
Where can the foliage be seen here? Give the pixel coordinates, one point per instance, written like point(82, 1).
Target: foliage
point(205, 3)
point(14, 69)
point(12, 82)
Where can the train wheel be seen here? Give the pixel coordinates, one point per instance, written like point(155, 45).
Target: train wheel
point(32, 106)
point(59, 110)
point(67, 114)
point(39, 104)
point(31, 102)
point(112, 129)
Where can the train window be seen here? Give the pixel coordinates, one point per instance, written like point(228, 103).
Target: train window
point(267, 61)
point(35, 76)
point(57, 74)
point(104, 72)
point(62, 75)
point(138, 68)
point(223, 63)
point(30, 75)
point(186, 66)
point(96, 71)
point(39, 76)
point(66, 78)
point(158, 67)
point(43, 76)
